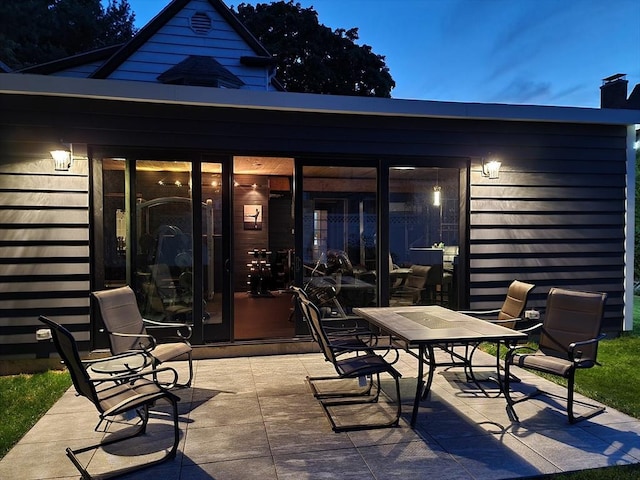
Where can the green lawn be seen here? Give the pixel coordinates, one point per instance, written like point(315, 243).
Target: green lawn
point(24, 399)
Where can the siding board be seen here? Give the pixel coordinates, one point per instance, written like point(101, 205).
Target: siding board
point(44, 246)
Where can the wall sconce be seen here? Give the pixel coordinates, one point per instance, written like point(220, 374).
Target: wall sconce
point(437, 193)
point(491, 168)
point(62, 156)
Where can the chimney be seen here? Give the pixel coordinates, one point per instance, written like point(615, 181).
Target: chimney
point(613, 92)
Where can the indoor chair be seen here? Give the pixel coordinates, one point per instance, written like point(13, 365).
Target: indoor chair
point(413, 291)
point(114, 396)
point(569, 338)
point(127, 329)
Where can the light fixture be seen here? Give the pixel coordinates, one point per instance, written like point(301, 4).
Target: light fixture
point(491, 168)
point(437, 192)
point(62, 156)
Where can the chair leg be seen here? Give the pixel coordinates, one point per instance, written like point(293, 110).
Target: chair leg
point(595, 409)
point(188, 384)
point(326, 404)
point(144, 416)
point(364, 392)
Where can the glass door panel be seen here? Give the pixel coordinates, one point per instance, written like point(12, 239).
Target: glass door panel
point(163, 277)
point(339, 237)
point(214, 328)
point(423, 231)
point(263, 242)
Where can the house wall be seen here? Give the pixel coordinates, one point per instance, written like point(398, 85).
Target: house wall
point(175, 41)
point(555, 217)
point(44, 246)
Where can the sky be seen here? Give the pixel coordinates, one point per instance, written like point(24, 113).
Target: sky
point(542, 52)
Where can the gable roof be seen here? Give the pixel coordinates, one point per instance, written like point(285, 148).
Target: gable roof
point(54, 66)
point(160, 20)
point(201, 71)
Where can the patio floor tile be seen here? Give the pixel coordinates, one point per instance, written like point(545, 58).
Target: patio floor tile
point(256, 417)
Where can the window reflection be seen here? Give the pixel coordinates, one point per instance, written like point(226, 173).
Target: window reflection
point(423, 235)
point(339, 238)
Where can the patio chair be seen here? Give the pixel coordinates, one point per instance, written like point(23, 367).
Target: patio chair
point(114, 396)
point(569, 338)
point(348, 333)
point(127, 329)
point(414, 289)
point(509, 315)
point(367, 365)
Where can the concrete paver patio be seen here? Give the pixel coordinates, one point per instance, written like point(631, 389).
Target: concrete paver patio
point(255, 417)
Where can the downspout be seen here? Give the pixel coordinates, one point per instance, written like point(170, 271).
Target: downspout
point(630, 228)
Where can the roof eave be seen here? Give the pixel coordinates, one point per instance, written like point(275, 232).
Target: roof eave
point(143, 92)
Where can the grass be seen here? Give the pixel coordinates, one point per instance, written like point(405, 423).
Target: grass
point(25, 398)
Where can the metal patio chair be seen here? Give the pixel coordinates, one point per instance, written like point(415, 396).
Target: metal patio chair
point(569, 339)
point(509, 315)
point(343, 334)
point(128, 330)
point(113, 396)
point(366, 365)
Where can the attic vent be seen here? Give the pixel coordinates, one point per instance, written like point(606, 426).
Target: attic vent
point(201, 23)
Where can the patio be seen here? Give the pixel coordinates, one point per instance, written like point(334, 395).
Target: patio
point(255, 417)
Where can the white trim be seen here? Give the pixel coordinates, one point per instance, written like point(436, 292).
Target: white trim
point(131, 91)
point(630, 229)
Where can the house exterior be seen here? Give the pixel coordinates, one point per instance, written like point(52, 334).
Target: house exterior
point(196, 180)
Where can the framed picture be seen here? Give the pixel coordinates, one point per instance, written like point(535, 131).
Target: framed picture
point(252, 219)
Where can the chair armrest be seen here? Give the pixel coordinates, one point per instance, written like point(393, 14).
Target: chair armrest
point(479, 312)
point(147, 349)
point(532, 328)
point(576, 355)
point(153, 324)
point(132, 376)
point(120, 356)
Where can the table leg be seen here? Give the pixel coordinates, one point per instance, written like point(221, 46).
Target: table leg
point(419, 385)
point(432, 369)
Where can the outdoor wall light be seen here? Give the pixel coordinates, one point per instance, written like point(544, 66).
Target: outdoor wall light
point(491, 168)
point(437, 193)
point(62, 156)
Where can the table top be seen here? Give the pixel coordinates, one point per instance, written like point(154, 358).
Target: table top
point(430, 324)
point(130, 363)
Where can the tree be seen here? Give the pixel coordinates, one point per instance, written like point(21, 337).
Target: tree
point(311, 57)
point(39, 31)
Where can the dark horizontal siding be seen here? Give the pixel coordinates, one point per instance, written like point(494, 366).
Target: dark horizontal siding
point(44, 247)
point(555, 220)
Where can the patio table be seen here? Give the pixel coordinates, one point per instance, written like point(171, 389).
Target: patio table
point(427, 326)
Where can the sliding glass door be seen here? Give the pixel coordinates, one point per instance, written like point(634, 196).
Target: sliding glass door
point(339, 229)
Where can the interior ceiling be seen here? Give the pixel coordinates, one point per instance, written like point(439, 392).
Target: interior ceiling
point(272, 166)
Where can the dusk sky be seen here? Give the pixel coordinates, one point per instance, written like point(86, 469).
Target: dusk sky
point(545, 52)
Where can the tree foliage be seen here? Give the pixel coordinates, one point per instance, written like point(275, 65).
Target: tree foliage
point(39, 31)
point(312, 58)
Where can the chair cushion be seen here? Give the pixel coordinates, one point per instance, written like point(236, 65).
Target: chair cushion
point(364, 365)
point(544, 363)
point(169, 351)
point(121, 397)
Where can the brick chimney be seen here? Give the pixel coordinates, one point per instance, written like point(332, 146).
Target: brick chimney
point(613, 92)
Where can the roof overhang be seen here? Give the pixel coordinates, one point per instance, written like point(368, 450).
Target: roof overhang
point(144, 92)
